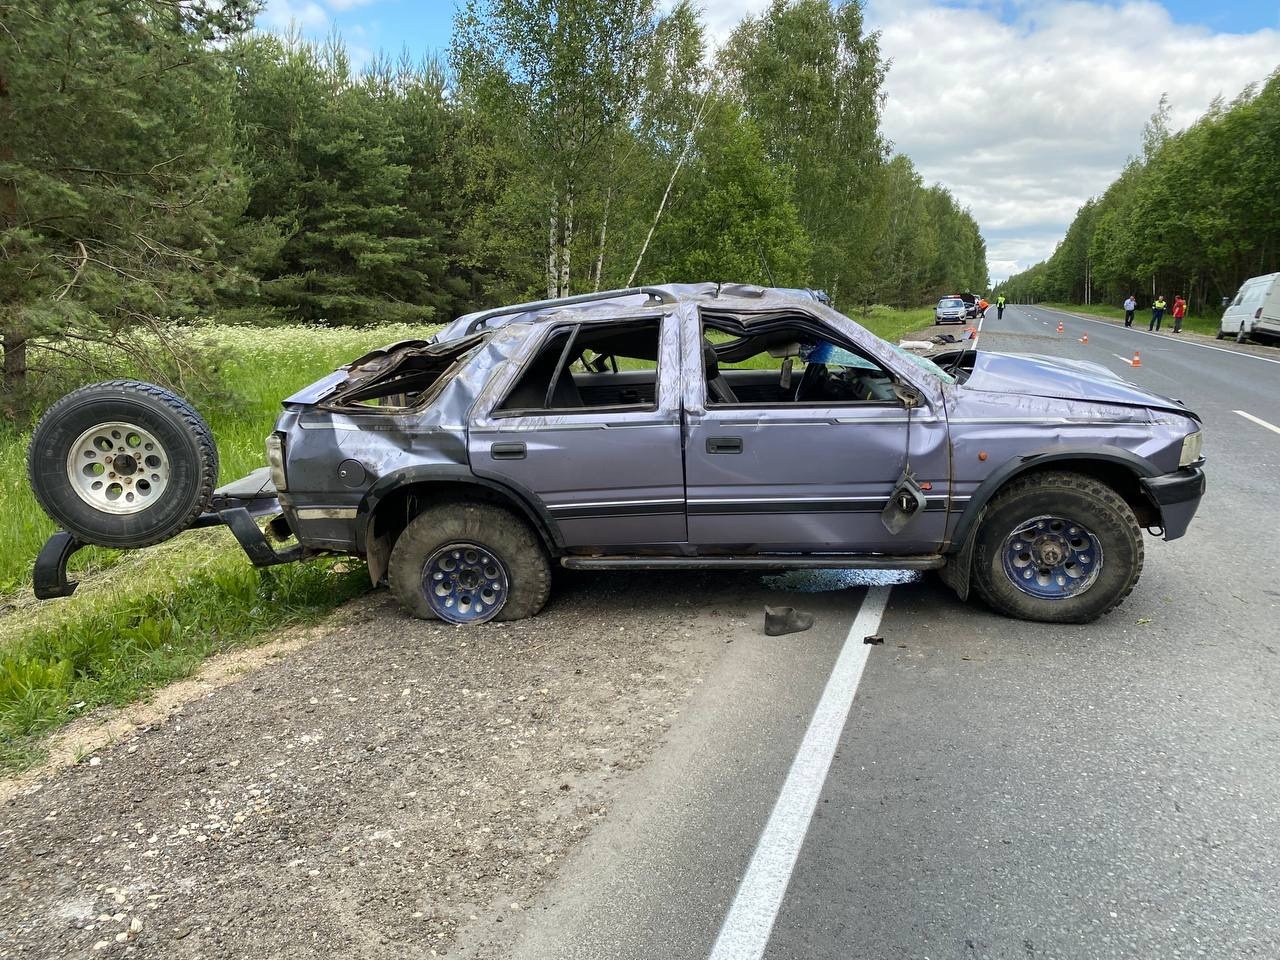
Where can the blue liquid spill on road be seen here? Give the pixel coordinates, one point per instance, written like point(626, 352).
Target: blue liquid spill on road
point(829, 581)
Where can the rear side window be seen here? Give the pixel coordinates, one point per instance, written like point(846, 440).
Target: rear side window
point(586, 367)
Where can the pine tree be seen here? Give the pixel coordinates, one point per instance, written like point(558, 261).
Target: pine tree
point(118, 190)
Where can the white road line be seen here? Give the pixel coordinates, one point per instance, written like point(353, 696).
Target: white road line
point(1164, 338)
point(1258, 420)
point(746, 929)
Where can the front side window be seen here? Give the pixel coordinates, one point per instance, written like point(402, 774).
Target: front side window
point(784, 363)
point(587, 367)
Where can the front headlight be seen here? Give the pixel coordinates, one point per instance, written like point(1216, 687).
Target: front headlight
point(275, 460)
point(1191, 446)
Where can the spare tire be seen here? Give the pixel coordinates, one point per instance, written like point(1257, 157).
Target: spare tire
point(122, 464)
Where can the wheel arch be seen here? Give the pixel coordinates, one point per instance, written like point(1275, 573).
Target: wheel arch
point(397, 498)
point(1117, 468)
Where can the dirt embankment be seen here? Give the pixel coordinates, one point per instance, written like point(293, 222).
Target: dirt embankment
point(367, 795)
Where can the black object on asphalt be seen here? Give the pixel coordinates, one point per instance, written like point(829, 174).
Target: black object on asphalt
point(874, 640)
point(781, 620)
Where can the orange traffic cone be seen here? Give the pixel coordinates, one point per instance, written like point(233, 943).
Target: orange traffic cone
point(1085, 338)
point(1137, 360)
point(1059, 326)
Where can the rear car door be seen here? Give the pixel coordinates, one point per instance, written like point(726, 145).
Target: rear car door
point(586, 425)
point(773, 474)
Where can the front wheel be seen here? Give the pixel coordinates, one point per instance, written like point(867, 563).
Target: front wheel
point(1057, 547)
point(465, 562)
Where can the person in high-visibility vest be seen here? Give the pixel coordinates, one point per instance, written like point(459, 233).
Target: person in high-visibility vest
point(1157, 312)
point(982, 307)
point(1000, 307)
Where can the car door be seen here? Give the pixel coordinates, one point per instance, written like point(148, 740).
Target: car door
point(602, 458)
point(778, 477)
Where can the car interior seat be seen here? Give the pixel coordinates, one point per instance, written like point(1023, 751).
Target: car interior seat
point(718, 390)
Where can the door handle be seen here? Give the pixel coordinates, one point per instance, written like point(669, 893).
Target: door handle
point(724, 444)
point(507, 451)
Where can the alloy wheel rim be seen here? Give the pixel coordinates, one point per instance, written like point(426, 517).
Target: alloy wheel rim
point(118, 468)
point(465, 583)
point(1052, 558)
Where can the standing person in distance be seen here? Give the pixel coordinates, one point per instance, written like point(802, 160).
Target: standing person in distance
point(1157, 312)
point(1000, 307)
point(1130, 305)
point(1179, 311)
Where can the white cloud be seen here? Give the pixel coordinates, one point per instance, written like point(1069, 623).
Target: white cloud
point(719, 17)
point(348, 4)
point(281, 15)
point(1025, 121)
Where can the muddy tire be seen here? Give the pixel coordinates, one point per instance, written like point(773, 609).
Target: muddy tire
point(122, 464)
point(467, 562)
point(1057, 547)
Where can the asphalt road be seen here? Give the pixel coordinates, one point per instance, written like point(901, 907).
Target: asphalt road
point(1000, 789)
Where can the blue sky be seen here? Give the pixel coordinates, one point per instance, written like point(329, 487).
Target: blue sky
point(1051, 98)
point(423, 25)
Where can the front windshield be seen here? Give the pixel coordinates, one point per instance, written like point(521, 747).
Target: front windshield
point(951, 303)
point(925, 364)
point(832, 355)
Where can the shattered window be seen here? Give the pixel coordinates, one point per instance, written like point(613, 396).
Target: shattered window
point(591, 367)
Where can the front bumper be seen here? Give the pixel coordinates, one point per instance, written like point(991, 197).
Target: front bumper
point(1177, 496)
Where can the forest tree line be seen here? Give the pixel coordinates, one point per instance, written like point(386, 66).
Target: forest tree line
point(162, 160)
point(1197, 213)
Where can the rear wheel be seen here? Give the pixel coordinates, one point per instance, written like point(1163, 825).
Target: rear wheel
point(1057, 547)
point(1220, 335)
point(465, 562)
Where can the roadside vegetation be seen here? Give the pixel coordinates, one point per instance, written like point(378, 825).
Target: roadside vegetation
point(1196, 213)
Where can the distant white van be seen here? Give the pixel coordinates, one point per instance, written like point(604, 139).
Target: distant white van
point(1255, 311)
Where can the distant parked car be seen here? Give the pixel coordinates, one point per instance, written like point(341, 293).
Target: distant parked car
point(679, 427)
point(1255, 311)
point(950, 310)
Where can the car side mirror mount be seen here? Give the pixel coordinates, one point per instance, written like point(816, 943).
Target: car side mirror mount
point(908, 394)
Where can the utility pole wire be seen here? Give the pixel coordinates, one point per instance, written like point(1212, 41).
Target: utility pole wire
point(688, 145)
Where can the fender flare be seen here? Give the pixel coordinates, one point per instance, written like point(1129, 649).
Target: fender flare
point(960, 548)
point(524, 500)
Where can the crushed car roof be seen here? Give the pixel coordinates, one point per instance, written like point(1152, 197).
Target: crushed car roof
point(610, 302)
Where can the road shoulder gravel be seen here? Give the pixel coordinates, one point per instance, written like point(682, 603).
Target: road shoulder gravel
point(370, 794)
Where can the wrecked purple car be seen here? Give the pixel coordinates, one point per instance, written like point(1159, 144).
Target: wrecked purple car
point(674, 427)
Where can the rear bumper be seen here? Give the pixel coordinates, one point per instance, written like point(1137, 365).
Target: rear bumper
point(1177, 497)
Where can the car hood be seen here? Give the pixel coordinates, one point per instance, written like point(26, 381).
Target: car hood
point(1042, 376)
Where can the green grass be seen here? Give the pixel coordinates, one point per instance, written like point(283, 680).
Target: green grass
point(1197, 324)
point(893, 324)
point(114, 652)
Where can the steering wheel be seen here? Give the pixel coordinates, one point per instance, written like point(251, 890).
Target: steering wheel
point(813, 382)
